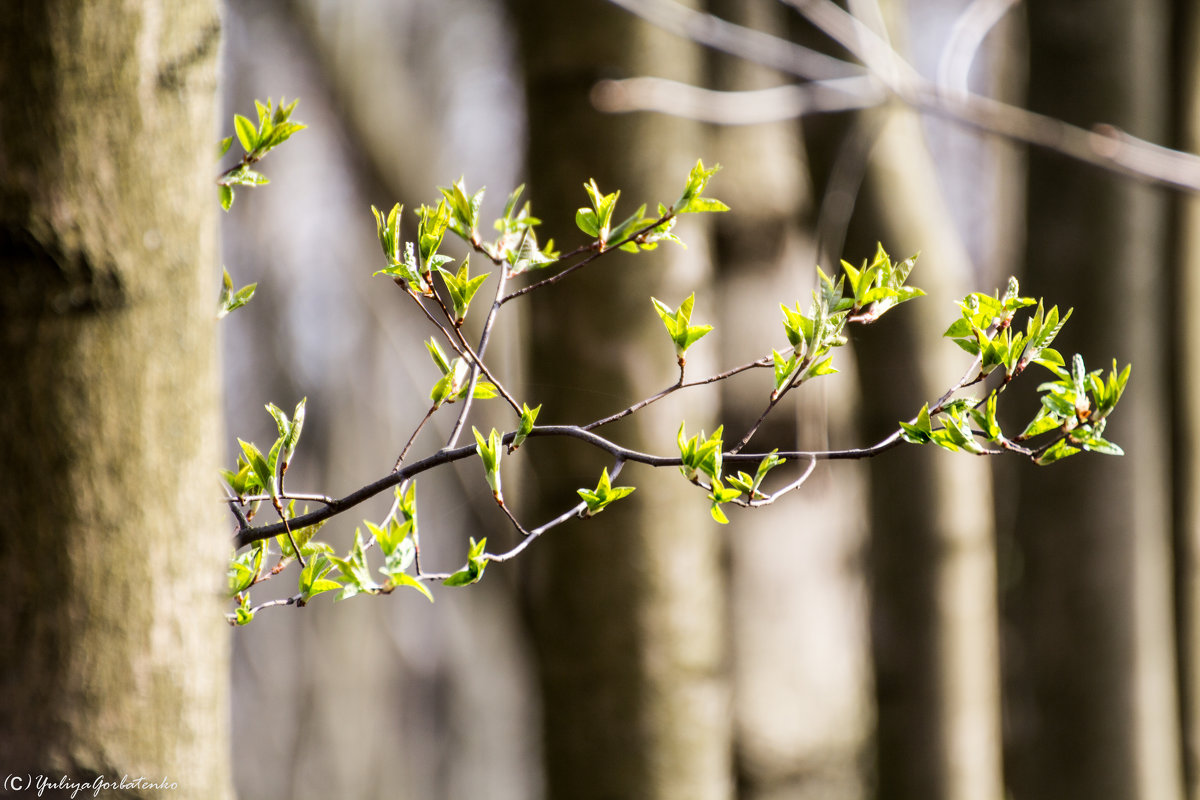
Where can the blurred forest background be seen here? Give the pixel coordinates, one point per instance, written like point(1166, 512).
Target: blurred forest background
point(917, 627)
point(920, 626)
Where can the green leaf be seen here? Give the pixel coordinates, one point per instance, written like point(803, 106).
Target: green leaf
point(247, 132)
point(223, 146)
point(721, 494)
point(431, 229)
point(690, 201)
point(798, 327)
point(986, 418)
point(1044, 422)
point(628, 227)
point(464, 208)
point(245, 569)
point(603, 495)
point(586, 221)
point(920, 431)
point(700, 454)
point(404, 579)
point(703, 205)
point(1056, 452)
point(439, 357)
point(312, 578)
point(354, 571)
point(476, 562)
point(490, 453)
point(784, 370)
point(258, 463)
point(289, 434)
point(822, 367)
point(225, 194)
point(678, 324)
point(1092, 441)
point(243, 614)
point(462, 288)
point(528, 417)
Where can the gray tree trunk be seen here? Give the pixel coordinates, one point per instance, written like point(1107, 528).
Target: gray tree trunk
point(628, 609)
point(111, 540)
point(1093, 691)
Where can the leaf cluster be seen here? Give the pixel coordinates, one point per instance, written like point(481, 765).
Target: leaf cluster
point(1073, 409)
point(1074, 403)
point(274, 127)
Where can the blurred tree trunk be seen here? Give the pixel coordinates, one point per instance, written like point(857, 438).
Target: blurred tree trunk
point(934, 614)
point(1186, 336)
point(1095, 681)
point(932, 553)
point(802, 705)
point(111, 541)
point(627, 610)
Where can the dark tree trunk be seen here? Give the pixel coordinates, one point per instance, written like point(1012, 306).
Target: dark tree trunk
point(627, 609)
point(1093, 683)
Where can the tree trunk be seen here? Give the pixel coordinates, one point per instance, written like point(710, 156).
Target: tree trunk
point(111, 541)
point(801, 663)
point(1094, 682)
point(627, 610)
point(934, 615)
point(1186, 336)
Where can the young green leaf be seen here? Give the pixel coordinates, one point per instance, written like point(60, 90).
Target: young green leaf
point(229, 299)
point(919, 432)
point(313, 580)
point(355, 573)
point(431, 229)
point(719, 495)
point(700, 454)
point(476, 562)
point(691, 201)
point(258, 463)
point(246, 131)
point(678, 324)
point(528, 417)
point(462, 288)
point(748, 485)
point(404, 579)
point(464, 210)
point(245, 569)
point(490, 453)
point(603, 495)
point(785, 368)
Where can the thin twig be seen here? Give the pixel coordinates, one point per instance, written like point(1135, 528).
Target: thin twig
point(596, 252)
point(1104, 146)
point(413, 437)
point(477, 364)
point(762, 362)
point(530, 536)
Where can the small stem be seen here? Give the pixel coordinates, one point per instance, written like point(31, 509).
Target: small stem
point(288, 529)
point(477, 364)
point(504, 507)
point(762, 362)
point(253, 498)
point(596, 251)
point(413, 438)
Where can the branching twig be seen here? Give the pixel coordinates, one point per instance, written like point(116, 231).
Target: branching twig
point(1104, 146)
point(477, 364)
point(596, 252)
